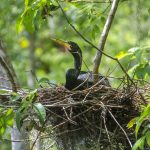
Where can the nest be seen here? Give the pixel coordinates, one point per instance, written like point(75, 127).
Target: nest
point(94, 118)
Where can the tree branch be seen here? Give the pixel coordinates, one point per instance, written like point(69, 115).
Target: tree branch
point(104, 36)
point(5, 62)
point(9, 74)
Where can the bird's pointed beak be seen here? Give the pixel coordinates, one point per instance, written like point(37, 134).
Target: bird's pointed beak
point(62, 43)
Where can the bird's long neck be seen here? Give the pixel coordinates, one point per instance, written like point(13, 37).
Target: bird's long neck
point(77, 60)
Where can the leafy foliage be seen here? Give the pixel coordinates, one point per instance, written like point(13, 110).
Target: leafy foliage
point(34, 12)
point(143, 119)
point(6, 119)
point(139, 63)
point(40, 111)
point(27, 108)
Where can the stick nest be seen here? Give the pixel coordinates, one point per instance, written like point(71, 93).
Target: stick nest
point(97, 116)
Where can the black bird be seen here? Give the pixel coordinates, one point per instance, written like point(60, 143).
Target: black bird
point(75, 78)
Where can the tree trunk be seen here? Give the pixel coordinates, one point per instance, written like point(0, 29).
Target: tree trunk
point(5, 83)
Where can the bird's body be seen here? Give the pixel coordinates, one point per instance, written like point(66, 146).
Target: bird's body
point(77, 79)
point(84, 80)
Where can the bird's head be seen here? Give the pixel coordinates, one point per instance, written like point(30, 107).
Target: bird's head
point(74, 49)
point(70, 46)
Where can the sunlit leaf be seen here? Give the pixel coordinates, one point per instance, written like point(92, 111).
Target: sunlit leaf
point(2, 130)
point(19, 24)
point(139, 144)
point(131, 123)
point(122, 54)
point(9, 117)
point(26, 2)
point(144, 114)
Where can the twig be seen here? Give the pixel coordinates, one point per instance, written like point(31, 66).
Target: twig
point(104, 120)
point(71, 121)
point(120, 128)
point(50, 146)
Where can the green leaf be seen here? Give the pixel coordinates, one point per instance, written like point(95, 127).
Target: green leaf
point(148, 138)
point(19, 24)
point(103, 19)
point(26, 102)
point(15, 97)
point(18, 120)
point(2, 130)
point(43, 80)
point(2, 121)
point(32, 95)
point(4, 91)
point(9, 117)
point(134, 50)
point(140, 71)
point(147, 68)
point(26, 2)
point(53, 7)
point(122, 55)
point(149, 10)
point(143, 116)
point(132, 122)
point(28, 19)
point(40, 111)
point(139, 144)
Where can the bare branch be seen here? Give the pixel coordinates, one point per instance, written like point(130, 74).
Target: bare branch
point(120, 128)
point(9, 74)
point(104, 36)
point(5, 62)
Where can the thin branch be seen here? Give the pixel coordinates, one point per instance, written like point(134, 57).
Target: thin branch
point(7, 62)
point(9, 74)
point(120, 128)
point(104, 36)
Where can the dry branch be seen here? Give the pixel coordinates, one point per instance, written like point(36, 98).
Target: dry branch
point(9, 74)
point(6, 64)
point(104, 35)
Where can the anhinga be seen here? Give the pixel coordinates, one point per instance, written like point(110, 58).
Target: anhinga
point(75, 78)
